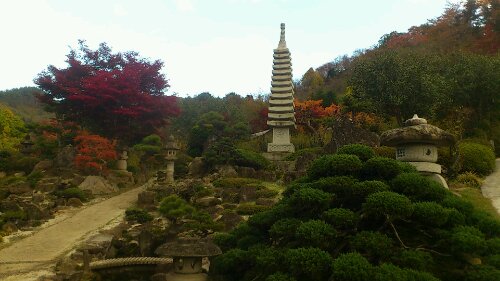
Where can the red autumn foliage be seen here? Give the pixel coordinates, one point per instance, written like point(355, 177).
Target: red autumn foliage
point(312, 109)
point(117, 95)
point(93, 153)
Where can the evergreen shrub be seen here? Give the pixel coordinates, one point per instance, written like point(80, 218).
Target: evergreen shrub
point(430, 213)
point(248, 158)
point(477, 158)
point(71, 192)
point(364, 152)
point(352, 267)
point(340, 218)
point(418, 187)
point(334, 165)
point(381, 168)
point(138, 215)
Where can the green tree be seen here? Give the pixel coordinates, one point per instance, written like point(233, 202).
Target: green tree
point(12, 129)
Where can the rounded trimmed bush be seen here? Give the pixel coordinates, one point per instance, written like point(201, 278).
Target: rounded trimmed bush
point(352, 267)
point(308, 202)
point(385, 151)
point(341, 185)
point(477, 158)
point(308, 263)
point(334, 165)
point(388, 203)
point(138, 214)
point(365, 188)
point(462, 205)
point(364, 152)
point(430, 213)
point(482, 273)
point(247, 158)
point(381, 168)
point(71, 192)
point(315, 233)
point(418, 260)
point(418, 187)
point(375, 245)
point(283, 231)
point(232, 264)
point(279, 276)
point(225, 241)
point(340, 218)
point(467, 239)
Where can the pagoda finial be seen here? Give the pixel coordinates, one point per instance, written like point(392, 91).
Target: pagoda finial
point(282, 43)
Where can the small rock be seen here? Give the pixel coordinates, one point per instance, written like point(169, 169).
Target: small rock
point(37, 198)
point(19, 174)
point(264, 202)
point(159, 277)
point(74, 202)
point(3, 175)
point(9, 227)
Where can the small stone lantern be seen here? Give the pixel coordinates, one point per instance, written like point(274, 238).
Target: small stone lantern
point(121, 164)
point(416, 143)
point(187, 254)
point(171, 148)
point(26, 144)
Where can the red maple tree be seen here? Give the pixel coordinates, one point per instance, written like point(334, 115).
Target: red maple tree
point(93, 153)
point(118, 95)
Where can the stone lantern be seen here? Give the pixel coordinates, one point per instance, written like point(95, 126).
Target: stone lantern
point(121, 164)
point(171, 148)
point(416, 143)
point(187, 254)
point(26, 144)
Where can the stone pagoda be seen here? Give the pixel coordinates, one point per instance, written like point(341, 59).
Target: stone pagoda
point(281, 115)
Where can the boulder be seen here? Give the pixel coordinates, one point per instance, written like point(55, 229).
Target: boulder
point(9, 205)
point(65, 158)
point(345, 131)
point(98, 244)
point(34, 212)
point(196, 167)
point(245, 172)
point(43, 165)
point(146, 199)
point(74, 202)
point(208, 201)
point(37, 198)
point(97, 185)
point(20, 188)
point(120, 178)
point(248, 193)
point(230, 220)
point(9, 227)
point(227, 171)
point(47, 184)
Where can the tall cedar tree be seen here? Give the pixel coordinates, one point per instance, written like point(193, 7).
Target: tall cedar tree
point(118, 95)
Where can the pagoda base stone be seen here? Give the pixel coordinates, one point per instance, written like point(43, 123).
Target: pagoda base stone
point(275, 156)
point(427, 167)
point(431, 171)
point(286, 147)
point(437, 178)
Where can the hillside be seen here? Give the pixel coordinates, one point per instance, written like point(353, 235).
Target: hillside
point(23, 102)
point(447, 70)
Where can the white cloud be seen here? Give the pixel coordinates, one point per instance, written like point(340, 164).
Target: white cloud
point(119, 10)
point(184, 5)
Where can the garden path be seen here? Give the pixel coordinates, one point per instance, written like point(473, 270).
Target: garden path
point(491, 186)
point(40, 251)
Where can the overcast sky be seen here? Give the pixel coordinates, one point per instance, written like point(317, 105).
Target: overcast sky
point(218, 46)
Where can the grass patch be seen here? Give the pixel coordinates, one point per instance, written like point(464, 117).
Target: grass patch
point(475, 196)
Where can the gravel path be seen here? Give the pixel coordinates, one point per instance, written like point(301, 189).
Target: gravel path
point(41, 250)
point(491, 187)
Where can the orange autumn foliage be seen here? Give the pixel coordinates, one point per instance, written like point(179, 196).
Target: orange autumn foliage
point(93, 153)
point(312, 109)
